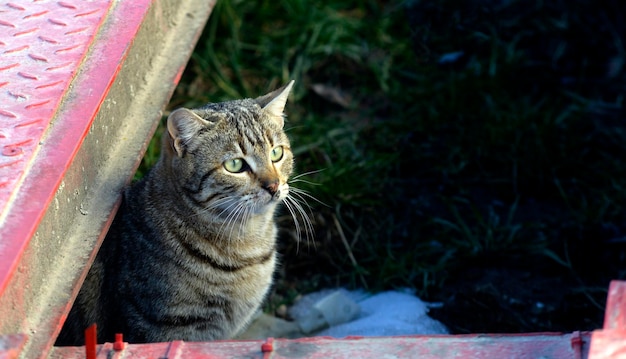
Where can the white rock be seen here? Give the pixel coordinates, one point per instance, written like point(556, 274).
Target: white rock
point(389, 313)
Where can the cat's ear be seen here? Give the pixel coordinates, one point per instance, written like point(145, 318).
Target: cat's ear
point(182, 125)
point(274, 102)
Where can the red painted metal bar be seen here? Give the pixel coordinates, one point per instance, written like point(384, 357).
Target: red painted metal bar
point(82, 87)
point(610, 342)
point(91, 342)
point(480, 346)
point(42, 47)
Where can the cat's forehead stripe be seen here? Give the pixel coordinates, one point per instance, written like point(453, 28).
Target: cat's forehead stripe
point(269, 137)
point(249, 132)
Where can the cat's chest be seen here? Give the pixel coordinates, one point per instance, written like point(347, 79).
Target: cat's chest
point(244, 267)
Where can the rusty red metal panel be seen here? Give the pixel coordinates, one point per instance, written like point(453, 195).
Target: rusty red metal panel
point(478, 346)
point(615, 314)
point(610, 342)
point(42, 44)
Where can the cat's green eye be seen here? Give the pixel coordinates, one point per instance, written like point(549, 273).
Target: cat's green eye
point(235, 165)
point(276, 154)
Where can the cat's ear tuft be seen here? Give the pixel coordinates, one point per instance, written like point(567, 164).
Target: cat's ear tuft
point(182, 125)
point(274, 102)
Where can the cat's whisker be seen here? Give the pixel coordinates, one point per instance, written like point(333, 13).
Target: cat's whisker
point(307, 220)
point(296, 223)
point(214, 205)
point(298, 178)
point(302, 193)
point(299, 200)
point(245, 217)
point(233, 218)
point(230, 209)
point(306, 174)
point(309, 230)
point(241, 220)
point(295, 208)
point(305, 181)
point(220, 201)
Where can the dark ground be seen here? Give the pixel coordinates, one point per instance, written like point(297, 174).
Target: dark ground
point(578, 50)
point(544, 238)
point(472, 150)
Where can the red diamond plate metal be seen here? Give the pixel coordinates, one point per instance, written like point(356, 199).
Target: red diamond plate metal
point(82, 87)
point(41, 46)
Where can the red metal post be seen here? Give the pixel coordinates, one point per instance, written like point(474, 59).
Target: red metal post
point(91, 342)
point(119, 344)
point(610, 342)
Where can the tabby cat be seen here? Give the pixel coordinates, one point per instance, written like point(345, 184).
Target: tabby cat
point(192, 250)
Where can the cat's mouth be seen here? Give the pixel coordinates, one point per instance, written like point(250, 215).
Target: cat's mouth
point(266, 198)
point(270, 197)
point(254, 203)
point(263, 200)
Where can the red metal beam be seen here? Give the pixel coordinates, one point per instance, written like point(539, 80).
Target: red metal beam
point(610, 342)
point(83, 87)
point(475, 346)
point(42, 46)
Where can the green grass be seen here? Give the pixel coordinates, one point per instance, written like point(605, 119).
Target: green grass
point(511, 157)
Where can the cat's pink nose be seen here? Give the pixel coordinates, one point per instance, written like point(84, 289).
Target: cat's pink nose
point(271, 186)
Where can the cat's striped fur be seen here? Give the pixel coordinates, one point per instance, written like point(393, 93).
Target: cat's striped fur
point(192, 251)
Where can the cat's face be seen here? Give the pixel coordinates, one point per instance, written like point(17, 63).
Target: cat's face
point(232, 158)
